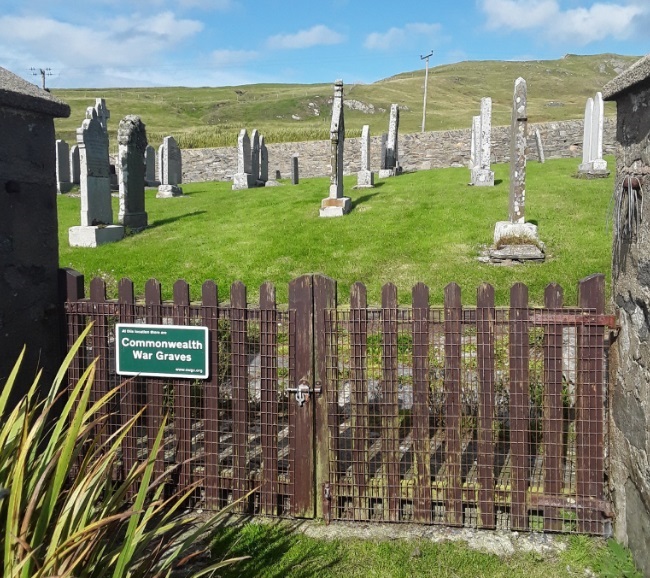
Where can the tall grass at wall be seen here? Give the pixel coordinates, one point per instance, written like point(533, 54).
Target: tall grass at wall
point(427, 226)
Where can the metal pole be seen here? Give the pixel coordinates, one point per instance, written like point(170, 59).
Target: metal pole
point(426, 80)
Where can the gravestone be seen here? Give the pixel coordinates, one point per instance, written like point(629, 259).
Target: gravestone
point(96, 210)
point(295, 178)
point(365, 177)
point(336, 205)
point(150, 167)
point(255, 157)
point(264, 161)
point(243, 178)
point(391, 155)
point(593, 164)
point(103, 114)
point(481, 175)
point(540, 146)
point(171, 170)
point(159, 163)
point(473, 159)
point(74, 165)
point(132, 144)
point(63, 182)
point(516, 238)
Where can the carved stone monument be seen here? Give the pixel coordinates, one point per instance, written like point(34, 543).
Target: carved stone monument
point(132, 142)
point(390, 161)
point(336, 205)
point(97, 225)
point(243, 178)
point(481, 175)
point(171, 170)
point(365, 177)
point(593, 164)
point(515, 239)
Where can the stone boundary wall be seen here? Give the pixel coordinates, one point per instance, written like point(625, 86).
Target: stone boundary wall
point(417, 151)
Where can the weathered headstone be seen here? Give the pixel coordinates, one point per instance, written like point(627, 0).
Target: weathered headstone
point(473, 158)
point(264, 161)
point(365, 177)
point(255, 157)
point(540, 146)
point(593, 164)
point(150, 167)
point(391, 158)
point(336, 205)
point(295, 177)
point(171, 170)
point(481, 175)
point(243, 178)
point(132, 143)
point(159, 163)
point(96, 210)
point(103, 114)
point(516, 237)
point(75, 170)
point(63, 182)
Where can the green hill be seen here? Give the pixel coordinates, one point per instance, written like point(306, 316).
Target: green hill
point(210, 117)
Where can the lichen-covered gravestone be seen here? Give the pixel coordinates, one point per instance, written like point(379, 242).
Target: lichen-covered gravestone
point(515, 239)
point(132, 142)
point(481, 174)
point(243, 178)
point(365, 177)
point(336, 205)
point(171, 171)
point(97, 225)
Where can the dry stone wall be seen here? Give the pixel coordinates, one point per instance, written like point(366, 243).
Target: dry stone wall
point(418, 151)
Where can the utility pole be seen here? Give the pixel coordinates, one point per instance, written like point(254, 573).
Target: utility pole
point(43, 72)
point(426, 80)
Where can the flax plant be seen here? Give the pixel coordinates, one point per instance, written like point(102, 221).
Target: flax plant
point(61, 512)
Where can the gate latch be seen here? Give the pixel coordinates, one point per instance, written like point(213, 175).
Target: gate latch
point(303, 390)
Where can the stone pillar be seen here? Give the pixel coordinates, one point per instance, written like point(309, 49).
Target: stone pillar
point(255, 157)
point(518, 134)
point(336, 205)
point(63, 183)
point(132, 142)
point(481, 174)
point(365, 177)
point(264, 161)
point(593, 164)
point(295, 178)
point(540, 146)
point(392, 167)
point(150, 167)
point(243, 177)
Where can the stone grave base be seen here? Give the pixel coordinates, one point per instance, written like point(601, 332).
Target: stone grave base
point(242, 181)
point(385, 173)
point(335, 207)
point(593, 170)
point(152, 183)
point(365, 180)
point(168, 191)
point(63, 187)
point(482, 178)
point(134, 221)
point(93, 236)
point(515, 242)
point(272, 183)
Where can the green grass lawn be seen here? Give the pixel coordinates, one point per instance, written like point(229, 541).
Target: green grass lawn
point(427, 226)
point(277, 552)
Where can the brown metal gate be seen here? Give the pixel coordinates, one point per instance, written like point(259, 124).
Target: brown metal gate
point(487, 417)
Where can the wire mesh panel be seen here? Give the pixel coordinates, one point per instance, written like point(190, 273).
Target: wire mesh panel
point(227, 436)
point(480, 417)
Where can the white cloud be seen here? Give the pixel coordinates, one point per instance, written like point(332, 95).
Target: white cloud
point(315, 36)
point(581, 25)
point(226, 58)
point(396, 37)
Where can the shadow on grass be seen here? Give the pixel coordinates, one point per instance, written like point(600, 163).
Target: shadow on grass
point(276, 550)
point(497, 181)
point(161, 222)
point(354, 203)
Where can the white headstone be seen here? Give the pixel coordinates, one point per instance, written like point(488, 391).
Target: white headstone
point(243, 178)
point(172, 169)
point(481, 174)
point(365, 177)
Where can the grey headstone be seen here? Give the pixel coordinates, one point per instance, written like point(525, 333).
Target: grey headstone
point(295, 178)
point(63, 182)
point(255, 156)
point(132, 144)
point(75, 170)
point(264, 160)
point(540, 146)
point(172, 169)
point(365, 177)
point(150, 167)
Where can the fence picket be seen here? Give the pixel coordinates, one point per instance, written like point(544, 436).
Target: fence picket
point(99, 342)
point(210, 316)
point(421, 438)
point(390, 407)
point(359, 397)
point(269, 399)
point(590, 405)
point(553, 424)
point(453, 344)
point(485, 335)
point(238, 332)
point(519, 406)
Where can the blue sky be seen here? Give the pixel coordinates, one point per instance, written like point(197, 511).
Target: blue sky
point(129, 43)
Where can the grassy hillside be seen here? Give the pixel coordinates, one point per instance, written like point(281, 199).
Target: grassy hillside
point(204, 117)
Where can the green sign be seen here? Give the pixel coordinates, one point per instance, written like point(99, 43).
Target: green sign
point(161, 350)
